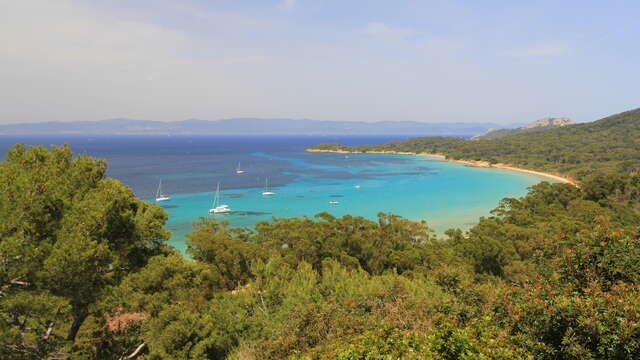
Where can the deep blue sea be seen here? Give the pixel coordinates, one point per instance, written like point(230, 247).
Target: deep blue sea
point(444, 194)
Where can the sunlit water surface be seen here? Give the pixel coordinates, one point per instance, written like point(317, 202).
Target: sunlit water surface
point(446, 195)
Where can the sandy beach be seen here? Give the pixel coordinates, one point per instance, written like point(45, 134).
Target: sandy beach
point(484, 164)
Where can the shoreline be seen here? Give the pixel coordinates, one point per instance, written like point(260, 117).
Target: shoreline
point(474, 163)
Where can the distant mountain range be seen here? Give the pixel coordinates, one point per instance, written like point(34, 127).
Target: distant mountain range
point(538, 125)
point(248, 126)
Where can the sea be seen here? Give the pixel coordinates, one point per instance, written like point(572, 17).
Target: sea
point(444, 194)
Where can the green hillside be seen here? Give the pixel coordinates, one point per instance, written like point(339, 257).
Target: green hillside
point(500, 133)
point(538, 125)
point(608, 145)
point(85, 272)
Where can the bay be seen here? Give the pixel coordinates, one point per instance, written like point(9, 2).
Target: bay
point(445, 194)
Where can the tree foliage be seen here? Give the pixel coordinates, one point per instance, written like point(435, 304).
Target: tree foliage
point(552, 275)
point(609, 145)
point(68, 235)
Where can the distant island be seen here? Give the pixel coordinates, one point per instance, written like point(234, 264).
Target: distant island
point(248, 126)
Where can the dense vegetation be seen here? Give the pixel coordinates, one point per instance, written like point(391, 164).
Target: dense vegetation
point(84, 274)
point(499, 133)
point(610, 145)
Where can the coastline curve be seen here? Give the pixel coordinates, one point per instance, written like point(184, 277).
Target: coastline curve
point(475, 163)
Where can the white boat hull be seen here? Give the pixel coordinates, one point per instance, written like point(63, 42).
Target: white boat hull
point(220, 210)
point(159, 195)
point(216, 208)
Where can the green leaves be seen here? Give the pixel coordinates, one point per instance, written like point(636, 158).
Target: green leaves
point(607, 146)
point(390, 243)
point(227, 252)
point(68, 234)
point(84, 274)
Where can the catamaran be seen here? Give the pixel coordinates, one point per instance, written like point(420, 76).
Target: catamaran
point(238, 171)
point(216, 208)
point(159, 195)
point(267, 191)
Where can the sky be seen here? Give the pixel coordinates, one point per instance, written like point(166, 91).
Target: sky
point(351, 60)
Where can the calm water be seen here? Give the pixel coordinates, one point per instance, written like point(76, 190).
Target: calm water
point(445, 194)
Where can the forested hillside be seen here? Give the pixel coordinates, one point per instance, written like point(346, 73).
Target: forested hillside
point(538, 125)
point(85, 274)
point(610, 145)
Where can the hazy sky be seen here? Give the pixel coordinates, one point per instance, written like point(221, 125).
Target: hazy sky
point(434, 61)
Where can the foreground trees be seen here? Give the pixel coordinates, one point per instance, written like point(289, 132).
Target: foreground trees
point(552, 275)
point(67, 235)
point(84, 274)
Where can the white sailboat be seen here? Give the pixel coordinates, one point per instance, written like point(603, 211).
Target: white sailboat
point(334, 202)
point(159, 195)
point(267, 191)
point(238, 170)
point(216, 208)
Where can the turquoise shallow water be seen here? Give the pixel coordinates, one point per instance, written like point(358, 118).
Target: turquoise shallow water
point(446, 195)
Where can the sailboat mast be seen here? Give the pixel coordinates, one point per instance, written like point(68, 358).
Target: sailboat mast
point(159, 188)
point(215, 198)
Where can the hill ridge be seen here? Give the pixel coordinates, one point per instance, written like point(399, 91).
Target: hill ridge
point(248, 126)
point(607, 145)
point(538, 125)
